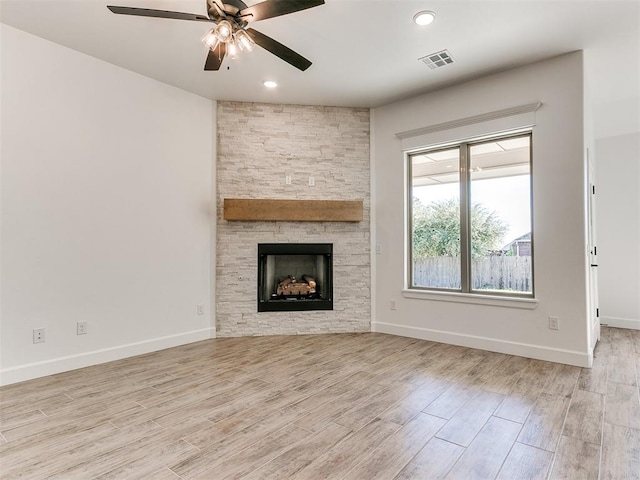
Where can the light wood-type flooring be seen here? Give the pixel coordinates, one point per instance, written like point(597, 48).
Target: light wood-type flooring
point(351, 406)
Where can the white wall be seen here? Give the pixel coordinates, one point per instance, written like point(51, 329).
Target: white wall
point(613, 71)
point(559, 216)
point(618, 207)
point(106, 210)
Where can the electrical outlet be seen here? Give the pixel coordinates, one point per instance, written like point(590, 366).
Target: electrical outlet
point(312, 182)
point(38, 335)
point(287, 180)
point(81, 328)
point(554, 323)
point(200, 309)
point(392, 304)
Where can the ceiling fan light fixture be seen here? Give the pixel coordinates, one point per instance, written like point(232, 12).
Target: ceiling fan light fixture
point(425, 17)
point(232, 49)
point(210, 40)
point(244, 41)
point(223, 31)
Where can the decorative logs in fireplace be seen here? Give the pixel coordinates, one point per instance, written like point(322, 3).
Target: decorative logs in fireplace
point(291, 286)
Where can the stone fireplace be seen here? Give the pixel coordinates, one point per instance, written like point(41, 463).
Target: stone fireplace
point(269, 152)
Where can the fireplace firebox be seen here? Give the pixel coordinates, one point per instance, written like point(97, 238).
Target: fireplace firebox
point(295, 276)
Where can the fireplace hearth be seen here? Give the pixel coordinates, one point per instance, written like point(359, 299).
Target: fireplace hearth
point(295, 276)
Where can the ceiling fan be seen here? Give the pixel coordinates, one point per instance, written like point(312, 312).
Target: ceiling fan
point(230, 34)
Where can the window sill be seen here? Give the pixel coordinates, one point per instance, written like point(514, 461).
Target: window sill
point(474, 298)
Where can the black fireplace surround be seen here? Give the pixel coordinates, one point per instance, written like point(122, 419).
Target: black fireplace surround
point(284, 265)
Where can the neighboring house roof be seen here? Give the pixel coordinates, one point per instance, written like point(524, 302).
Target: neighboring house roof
point(521, 239)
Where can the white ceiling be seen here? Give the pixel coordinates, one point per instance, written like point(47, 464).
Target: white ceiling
point(364, 52)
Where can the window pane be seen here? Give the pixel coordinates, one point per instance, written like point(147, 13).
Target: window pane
point(435, 219)
point(500, 212)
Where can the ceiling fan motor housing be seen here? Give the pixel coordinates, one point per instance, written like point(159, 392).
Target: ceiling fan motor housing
point(226, 11)
point(230, 7)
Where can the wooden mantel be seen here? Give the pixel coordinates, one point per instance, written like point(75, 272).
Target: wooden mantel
point(260, 209)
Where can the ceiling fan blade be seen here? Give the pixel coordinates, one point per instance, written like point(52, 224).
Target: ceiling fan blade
point(279, 50)
point(215, 57)
point(275, 8)
point(146, 12)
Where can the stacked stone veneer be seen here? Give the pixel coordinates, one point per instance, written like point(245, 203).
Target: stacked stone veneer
point(258, 146)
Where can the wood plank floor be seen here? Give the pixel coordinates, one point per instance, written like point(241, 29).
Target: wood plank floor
point(352, 406)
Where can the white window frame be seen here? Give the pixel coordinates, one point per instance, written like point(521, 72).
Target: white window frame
point(451, 132)
point(466, 287)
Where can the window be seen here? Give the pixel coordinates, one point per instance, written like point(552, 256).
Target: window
point(470, 221)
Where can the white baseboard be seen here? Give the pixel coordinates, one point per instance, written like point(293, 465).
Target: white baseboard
point(570, 357)
point(595, 333)
point(633, 324)
point(72, 362)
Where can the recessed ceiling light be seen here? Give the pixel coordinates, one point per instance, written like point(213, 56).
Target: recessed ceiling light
point(424, 17)
point(269, 84)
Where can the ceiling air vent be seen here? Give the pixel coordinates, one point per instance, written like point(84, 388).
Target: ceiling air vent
point(438, 59)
